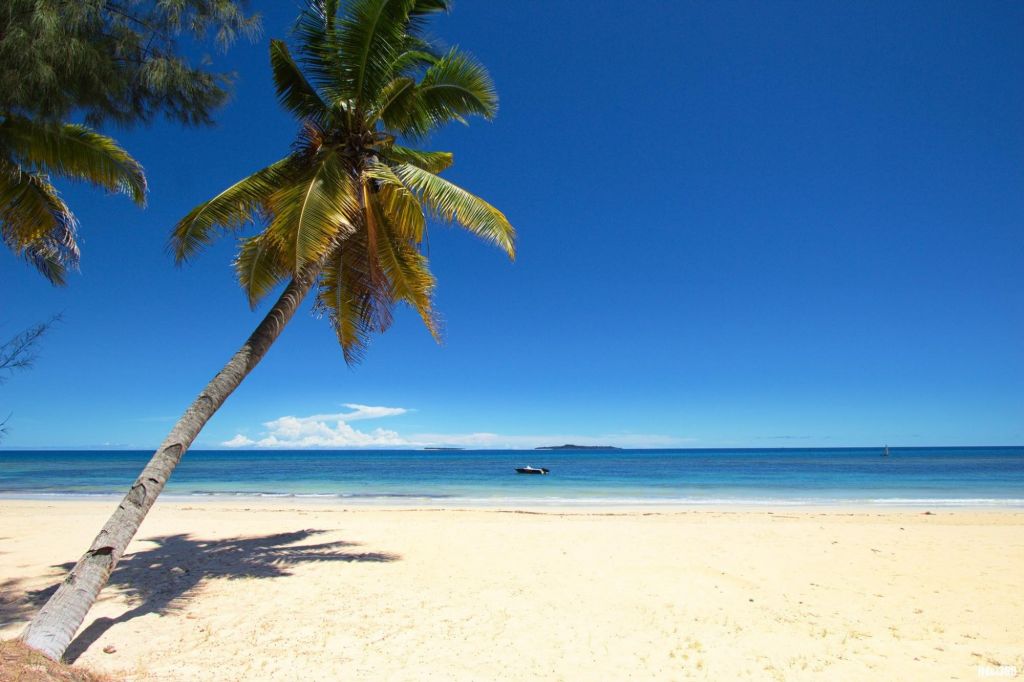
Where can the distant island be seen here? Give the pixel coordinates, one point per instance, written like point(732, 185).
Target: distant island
point(444, 448)
point(570, 446)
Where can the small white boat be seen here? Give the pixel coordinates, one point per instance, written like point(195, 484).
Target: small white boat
point(531, 470)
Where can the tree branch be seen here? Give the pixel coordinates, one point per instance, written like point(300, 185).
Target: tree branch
point(19, 352)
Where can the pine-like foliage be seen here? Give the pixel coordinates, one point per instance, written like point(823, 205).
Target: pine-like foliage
point(114, 60)
point(351, 201)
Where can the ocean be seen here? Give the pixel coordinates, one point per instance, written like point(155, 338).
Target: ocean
point(917, 477)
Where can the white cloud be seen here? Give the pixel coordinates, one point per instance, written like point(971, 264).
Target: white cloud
point(239, 441)
point(360, 412)
point(334, 431)
point(325, 431)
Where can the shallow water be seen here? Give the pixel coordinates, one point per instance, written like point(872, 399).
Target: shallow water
point(974, 477)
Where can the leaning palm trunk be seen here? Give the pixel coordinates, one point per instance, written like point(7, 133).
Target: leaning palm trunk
point(376, 80)
point(51, 631)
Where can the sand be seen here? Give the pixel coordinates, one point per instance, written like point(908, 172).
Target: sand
point(252, 591)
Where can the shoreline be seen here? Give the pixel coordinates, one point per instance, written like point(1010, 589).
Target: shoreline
point(279, 505)
point(554, 504)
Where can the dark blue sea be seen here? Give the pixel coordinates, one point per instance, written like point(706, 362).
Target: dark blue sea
point(966, 477)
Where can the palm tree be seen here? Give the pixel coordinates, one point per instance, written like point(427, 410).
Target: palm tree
point(35, 223)
point(344, 212)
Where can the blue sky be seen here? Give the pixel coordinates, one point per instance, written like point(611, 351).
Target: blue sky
point(740, 224)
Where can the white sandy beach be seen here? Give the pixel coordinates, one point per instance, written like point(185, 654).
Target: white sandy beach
point(248, 590)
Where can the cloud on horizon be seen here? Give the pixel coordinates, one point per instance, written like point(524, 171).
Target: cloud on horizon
point(325, 430)
point(334, 431)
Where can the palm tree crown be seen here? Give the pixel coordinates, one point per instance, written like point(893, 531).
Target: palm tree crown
point(345, 211)
point(35, 223)
point(349, 204)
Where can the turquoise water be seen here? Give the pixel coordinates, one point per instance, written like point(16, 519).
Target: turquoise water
point(976, 477)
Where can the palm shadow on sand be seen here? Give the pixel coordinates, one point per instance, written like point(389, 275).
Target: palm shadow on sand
point(162, 579)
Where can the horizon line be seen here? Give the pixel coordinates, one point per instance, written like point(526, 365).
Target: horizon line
point(547, 448)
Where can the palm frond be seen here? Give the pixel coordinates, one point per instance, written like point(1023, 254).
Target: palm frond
point(311, 215)
point(460, 85)
point(449, 202)
point(74, 152)
point(349, 203)
point(420, 13)
point(356, 306)
point(454, 87)
point(402, 208)
point(260, 267)
point(30, 208)
point(417, 56)
point(394, 95)
point(293, 90)
point(432, 162)
point(36, 224)
point(405, 268)
point(416, 53)
point(317, 36)
point(241, 203)
point(424, 7)
point(372, 234)
point(51, 260)
point(371, 36)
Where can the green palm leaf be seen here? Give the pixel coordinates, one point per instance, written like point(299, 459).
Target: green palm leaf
point(395, 95)
point(356, 305)
point(313, 213)
point(449, 202)
point(405, 268)
point(403, 209)
point(371, 36)
point(350, 203)
point(74, 152)
point(454, 87)
point(235, 207)
point(260, 267)
point(418, 55)
point(422, 8)
point(52, 259)
point(432, 162)
point(317, 35)
point(293, 90)
point(458, 85)
point(36, 224)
